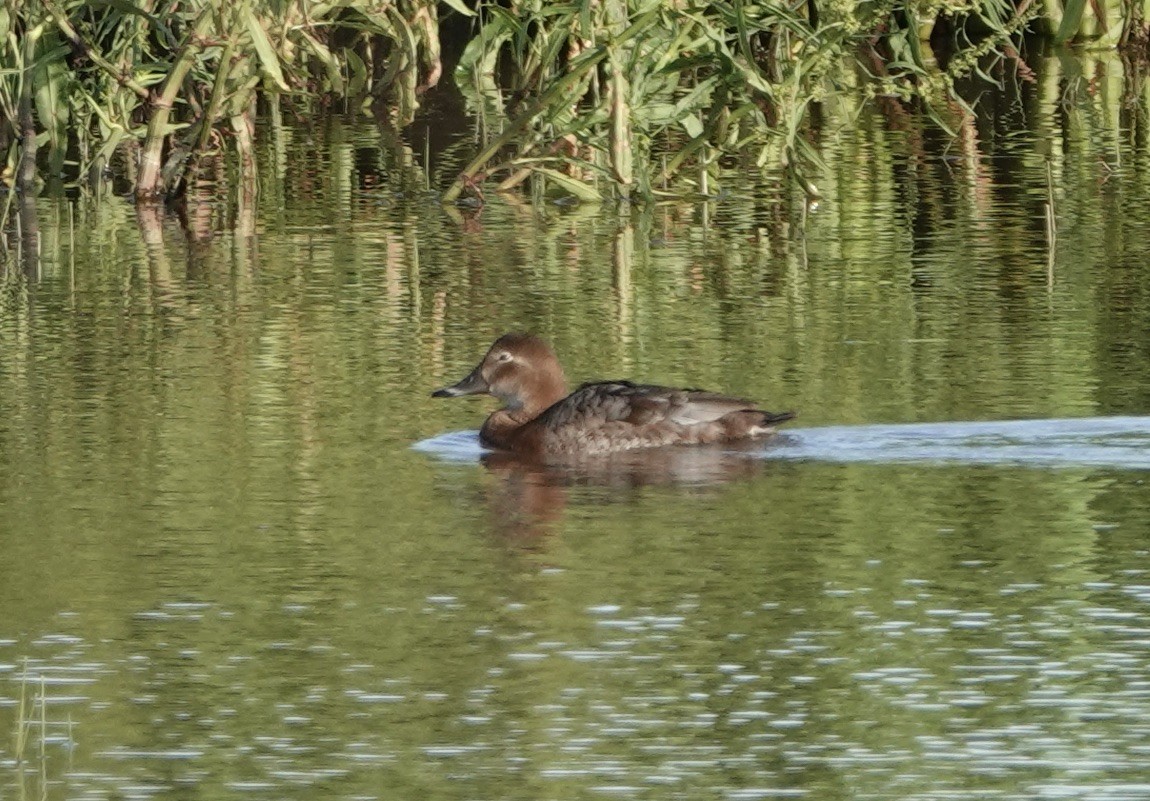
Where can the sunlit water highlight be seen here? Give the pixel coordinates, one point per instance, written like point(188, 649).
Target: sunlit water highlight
point(1117, 442)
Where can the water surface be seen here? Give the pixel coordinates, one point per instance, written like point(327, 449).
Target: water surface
point(226, 572)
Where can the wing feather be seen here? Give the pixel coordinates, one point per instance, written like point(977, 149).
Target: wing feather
point(603, 402)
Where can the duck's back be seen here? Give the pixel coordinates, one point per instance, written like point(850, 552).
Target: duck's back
point(608, 416)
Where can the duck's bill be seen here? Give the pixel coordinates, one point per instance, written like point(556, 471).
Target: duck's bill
point(473, 384)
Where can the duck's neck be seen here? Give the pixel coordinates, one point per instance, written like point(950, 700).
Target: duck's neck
point(550, 389)
point(501, 428)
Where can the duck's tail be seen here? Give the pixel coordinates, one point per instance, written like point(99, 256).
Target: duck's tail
point(774, 418)
point(764, 425)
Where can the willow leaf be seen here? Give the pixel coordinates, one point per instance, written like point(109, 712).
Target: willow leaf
point(912, 39)
point(358, 74)
point(459, 6)
point(482, 52)
point(269, 60)
point(580, 189)
point(49, 77)
point(698, 97)
point(1072, 12)
point(126, 7)
point(330, 62)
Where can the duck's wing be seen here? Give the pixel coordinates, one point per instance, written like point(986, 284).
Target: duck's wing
point(610, 416)
point(605, 402)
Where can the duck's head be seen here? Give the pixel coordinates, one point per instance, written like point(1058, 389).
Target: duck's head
point(519, 369)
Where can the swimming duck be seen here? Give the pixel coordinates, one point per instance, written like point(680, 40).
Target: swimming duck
point(540, 419)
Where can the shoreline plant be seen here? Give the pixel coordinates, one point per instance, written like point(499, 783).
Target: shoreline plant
point(629, 99)
point(148, 88)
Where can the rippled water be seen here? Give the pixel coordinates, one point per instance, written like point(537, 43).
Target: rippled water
point(244, 554)
point(1118, 442)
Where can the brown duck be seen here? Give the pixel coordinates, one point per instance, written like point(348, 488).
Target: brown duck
point(540, 419)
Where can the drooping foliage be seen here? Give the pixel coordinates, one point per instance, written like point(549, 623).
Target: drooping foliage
point(595, 98)
point(158, 82)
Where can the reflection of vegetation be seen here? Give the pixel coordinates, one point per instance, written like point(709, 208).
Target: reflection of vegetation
point(31, 736)
point(617, 97)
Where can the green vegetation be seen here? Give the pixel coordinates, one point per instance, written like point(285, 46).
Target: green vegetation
point(159, 86)
point(615, 97)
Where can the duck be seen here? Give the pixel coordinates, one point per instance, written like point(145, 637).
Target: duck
point(540, 419)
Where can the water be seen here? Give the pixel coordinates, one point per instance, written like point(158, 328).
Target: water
point(1120, 442)
point(244, 554)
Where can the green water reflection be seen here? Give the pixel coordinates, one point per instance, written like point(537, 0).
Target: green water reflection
point(237, 579)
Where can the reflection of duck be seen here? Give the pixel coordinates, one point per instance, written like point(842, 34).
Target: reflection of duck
point(705, 466)
point(531, 495)
point(540, 419)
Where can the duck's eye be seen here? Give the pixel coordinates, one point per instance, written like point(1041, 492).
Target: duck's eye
point(503, 357)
